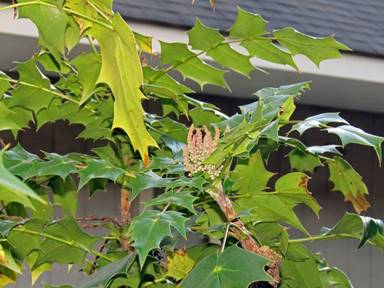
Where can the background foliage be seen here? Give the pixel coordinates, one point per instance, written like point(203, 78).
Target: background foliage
point(213, 177)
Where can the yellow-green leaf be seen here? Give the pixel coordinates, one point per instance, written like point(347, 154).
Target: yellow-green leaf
point(121, 70)
point(349, 182)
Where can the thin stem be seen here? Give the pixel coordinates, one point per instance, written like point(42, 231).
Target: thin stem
point(63, 241)
point(225, 237)
point(320, 237)
point(92, 45)
point(147, 284)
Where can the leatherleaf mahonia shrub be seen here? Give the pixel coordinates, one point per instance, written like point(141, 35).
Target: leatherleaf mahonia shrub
point(211, 174)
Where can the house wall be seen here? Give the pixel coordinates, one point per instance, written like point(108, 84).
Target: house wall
point(364, 266)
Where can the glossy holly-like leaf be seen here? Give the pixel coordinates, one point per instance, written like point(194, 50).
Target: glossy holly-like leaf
point(182, 199)
point(6, 123)
point(121, 70)
point(247, 25)
point(303, 162)
point(316, 49)
point(352, 135)
point(4, 83)
point(51, 22)
point(335, 278)
point(145, 181)
point(300, 272)
point(190, 65)
point(235, 267)
point(98, 169)
point(24, 243)
point(265, 49)
point(210, 40)
point(55, 164)
point(252, 177)
point(318, 121)
point(88, 70)
point(52, 251)
point(150, 227)
point(349, 182)
point(101, 277)
point(292, 188)
point(13, 189)
point(33, 90)
point(366, 229)
point(20, 162)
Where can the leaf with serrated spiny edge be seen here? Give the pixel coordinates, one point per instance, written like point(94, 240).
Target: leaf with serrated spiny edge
point(235, 267)
point(316, 49)
point(352, 135)
point(65, 195)
point(247, 25)
point(317, 121)
point(190, 66)
point(292, 188)
point(5, 122)
point(149, 228)
point(35, 98)
point(251, 177)
point(146, 180)
point(349, 182)
point(98, 169)
point(144, 42)
point(102, 277)
point(366, 229)
point(52, 251)
point(210, 40)
point(266, 50)
point(13, 189)
point(4, 83)
point(182, 199)
point(51, 22)
point(121, 70)
point(303, 161)
point(324, 149)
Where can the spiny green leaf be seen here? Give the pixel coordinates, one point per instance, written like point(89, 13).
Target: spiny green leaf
point(98, 169)
point(302, 273)
point(292, 188)
point(317, 121)
point(101, 277)
point(121, 70)
point(349, 134)
point(145, 181)
point(190, 66)
point(266, 50)
point(302, 161)
point(247, 25)
point(4, 83)
point(35, 97)
point(235, 267)
point(150, 227)
point(316, 49)
point(13, 189)
point(88, 70)
point(252, 177)
point(6, 123)
point(52, 251)
point(210, 40)
point(51, 22)
point(363, 228)
point(349, 182)
point(182, 199)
